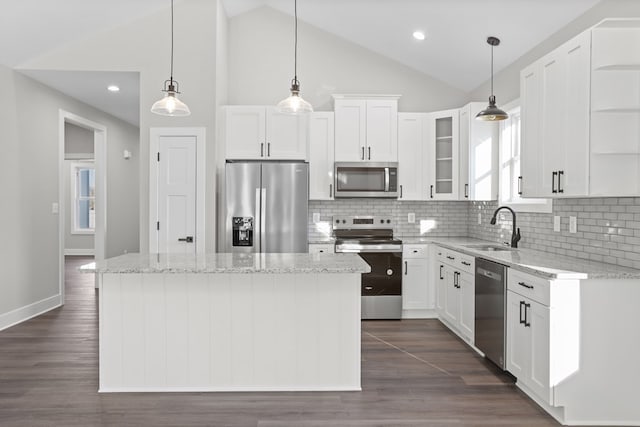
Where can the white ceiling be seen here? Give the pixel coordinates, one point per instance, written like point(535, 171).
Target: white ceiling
point(455, 50)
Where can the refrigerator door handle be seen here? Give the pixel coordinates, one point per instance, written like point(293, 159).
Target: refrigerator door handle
point(257, 221)
point(263, 221)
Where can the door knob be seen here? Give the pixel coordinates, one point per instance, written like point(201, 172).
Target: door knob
point(188, 239)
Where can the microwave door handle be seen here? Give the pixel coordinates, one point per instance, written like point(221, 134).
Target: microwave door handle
point(386, 180)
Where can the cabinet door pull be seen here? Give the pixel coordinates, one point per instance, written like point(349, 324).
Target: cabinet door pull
point(401, 191)
point(431, 191)
point(362, 153)
point(527, 324)
point(525, 285)
point(268, 149)
point(468, 264)
point(441, 271)
point(451, 257)
point(466, 191)
point(369, 158)
point(406, 268)
point(520, 185)
point(553, 182)
point(262, 149)
point(560, 189)
point(521, 305)
point(330, 190)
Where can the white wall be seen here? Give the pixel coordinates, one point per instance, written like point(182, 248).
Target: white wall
point(261, 67)
point(29, 171)
point(507, 81)
point(143, 46)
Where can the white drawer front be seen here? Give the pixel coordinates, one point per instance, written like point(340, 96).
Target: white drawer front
point(414, 251)
point(536, 288)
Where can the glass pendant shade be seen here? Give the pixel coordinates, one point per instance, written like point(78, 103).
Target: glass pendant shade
point(294, 104)
point(492, 112)
point(170, 105)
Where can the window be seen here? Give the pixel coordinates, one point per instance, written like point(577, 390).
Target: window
point(83, 197)
point(510, 166)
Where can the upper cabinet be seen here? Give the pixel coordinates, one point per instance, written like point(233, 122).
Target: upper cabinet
point(615, 111)
point(411, 139)
point(321, 131)
point(478, 155)
point(441, 155)
point(261, 133)
point(366, 128)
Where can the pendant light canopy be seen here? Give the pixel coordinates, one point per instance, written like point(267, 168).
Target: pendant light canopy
point(170, 105)
point(294, 104)
point(492, 112)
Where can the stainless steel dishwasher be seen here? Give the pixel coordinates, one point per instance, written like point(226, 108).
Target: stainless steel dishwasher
point(490, 306)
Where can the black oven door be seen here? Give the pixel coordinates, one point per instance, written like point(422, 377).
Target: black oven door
point(385, 277)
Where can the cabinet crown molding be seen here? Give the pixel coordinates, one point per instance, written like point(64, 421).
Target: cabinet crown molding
point(364, 96)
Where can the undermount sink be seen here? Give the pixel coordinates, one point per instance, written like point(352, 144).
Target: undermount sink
point(486, 247)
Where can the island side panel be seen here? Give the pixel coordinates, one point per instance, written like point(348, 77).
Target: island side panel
point(230, 332)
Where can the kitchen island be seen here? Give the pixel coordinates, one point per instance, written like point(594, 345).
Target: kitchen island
point(229, 322)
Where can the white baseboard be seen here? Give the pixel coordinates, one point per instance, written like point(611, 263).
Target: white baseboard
point(419, 314)
point(27, 312)
point(80, 252)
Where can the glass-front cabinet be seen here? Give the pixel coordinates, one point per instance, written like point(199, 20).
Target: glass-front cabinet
point(442, 155)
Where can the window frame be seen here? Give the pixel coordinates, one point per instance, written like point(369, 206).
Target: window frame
point(75, 199)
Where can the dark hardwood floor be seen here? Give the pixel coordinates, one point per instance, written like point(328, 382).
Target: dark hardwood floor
point(414, 373)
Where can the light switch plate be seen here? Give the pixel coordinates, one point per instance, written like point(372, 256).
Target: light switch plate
point(556, 223)
point(55, 208)
point(479, 218)
point(316, 217)
point(411, 218)
point(573, 224)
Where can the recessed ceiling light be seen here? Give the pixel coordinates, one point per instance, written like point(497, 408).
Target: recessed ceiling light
point(418, 35)
point(113, 88)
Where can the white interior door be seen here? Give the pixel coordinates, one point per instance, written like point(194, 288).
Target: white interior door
point(176, 225)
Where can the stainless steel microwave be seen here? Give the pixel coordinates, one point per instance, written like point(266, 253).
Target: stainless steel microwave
point(366, 179)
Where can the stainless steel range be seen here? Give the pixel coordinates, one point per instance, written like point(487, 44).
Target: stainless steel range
point(371, 237)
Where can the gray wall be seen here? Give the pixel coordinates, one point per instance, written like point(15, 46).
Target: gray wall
point(29, 173)
point(261, 67)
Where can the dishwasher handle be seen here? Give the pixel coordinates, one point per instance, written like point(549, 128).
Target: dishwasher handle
point(486, 273)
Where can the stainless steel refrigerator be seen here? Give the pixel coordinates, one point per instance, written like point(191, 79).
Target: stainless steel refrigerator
point(267, 206)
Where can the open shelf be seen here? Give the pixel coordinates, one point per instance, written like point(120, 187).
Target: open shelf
point(444, 158)
point(444, 138)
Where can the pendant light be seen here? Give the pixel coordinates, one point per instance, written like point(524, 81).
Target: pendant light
point(170, 105)
point(294, 104)
point(492, 112)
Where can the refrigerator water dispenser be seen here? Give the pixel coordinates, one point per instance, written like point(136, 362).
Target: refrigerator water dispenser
point(242, 231)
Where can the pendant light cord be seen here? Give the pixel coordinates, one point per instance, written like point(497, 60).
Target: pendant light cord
point(491, 69)
point(171, 73)
point(295, 43)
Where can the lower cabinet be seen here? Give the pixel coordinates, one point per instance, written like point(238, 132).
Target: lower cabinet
point(418, 293)
point(455, 284)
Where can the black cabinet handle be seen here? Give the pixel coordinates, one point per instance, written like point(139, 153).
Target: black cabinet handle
point(362, 153)
point(441, 271)
point(431, 191)
point(468, 264)
point(262, 149)
point(560, 189)
point(451, 257)
point(406, 268)
point(330, 190)
point(520, 185)
point(188, 239)
point(456, 279)
point(527, 324)
point(401, 191)
point(268, 149)
point(553, 182)
point(521, 305)
point(369, 153)
point(525, 285)
point(466, 191)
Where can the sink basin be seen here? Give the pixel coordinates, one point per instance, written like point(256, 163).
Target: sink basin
point(488, 247)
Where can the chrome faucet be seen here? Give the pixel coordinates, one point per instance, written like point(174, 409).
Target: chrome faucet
point(515, 232)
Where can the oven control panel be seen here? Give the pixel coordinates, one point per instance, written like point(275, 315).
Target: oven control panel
point(368, 222)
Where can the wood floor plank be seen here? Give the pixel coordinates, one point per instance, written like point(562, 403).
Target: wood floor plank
point(414, 373)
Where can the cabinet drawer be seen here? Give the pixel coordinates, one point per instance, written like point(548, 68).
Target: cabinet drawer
point(317, 248)
point(440, 254)
point(414, 251)
point(536, 288)
point(459, 261)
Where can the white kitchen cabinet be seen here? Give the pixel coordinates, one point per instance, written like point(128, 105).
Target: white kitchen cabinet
point(441, 156)
point(366, 128)
point(478, 155)
point(321, 248)
point(261, 133)
point(321, 155)
point(455, 300)
point(418, 293)
point(411, 138)
point(559, 86)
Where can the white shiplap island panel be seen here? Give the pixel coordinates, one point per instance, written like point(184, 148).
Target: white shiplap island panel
point(240, 330)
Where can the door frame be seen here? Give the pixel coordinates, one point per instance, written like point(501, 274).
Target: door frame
point(199, 133)
point(100, 164)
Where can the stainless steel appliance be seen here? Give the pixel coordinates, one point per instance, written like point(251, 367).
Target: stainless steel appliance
point(372, 238)
point(490, 309)
point(266, 206)
point(362, 179)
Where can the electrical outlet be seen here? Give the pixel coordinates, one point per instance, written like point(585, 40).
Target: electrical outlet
point(316, 217)
point(556, 223)
point(479, 218)
point(573, 224)
point(55, 208)
point(411, 218)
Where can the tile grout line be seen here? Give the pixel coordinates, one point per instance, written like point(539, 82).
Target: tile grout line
point(409, 354)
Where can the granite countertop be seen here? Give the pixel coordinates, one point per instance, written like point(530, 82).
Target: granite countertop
point(542, 264)
point(322, 241)
point(230, 263)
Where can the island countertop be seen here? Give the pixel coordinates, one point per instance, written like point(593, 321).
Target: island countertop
point(274, 263)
